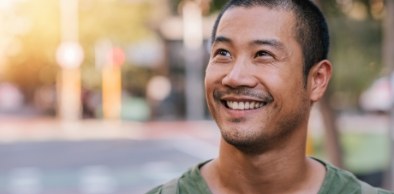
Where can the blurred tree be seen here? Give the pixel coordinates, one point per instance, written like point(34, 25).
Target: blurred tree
point(35, 64)
point(216, 5)
point(121, 22)
point(388, 61)
point(355, 52)
point(355, 29)
point(332, 144)
point(208, 6)
point(355, 46)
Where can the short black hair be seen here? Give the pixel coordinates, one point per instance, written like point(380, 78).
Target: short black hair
point(311, 26)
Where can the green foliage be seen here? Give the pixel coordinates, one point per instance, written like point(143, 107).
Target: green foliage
point(216, 5)
point(35, 64)
point(356, 56)
point(135, 79)
point(355, 51)
point(365, 152)
point(121, 22)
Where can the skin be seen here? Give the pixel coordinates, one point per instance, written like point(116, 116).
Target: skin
point(260, 61)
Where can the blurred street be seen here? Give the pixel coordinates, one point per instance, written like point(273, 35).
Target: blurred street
point(91, 157)
point(46, 156)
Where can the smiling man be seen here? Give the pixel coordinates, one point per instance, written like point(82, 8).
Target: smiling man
point(268, 66)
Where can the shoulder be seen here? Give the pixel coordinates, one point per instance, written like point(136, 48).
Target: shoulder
point(170, 187)
point(344, 182)
point(190, 182)
point(156, 190)
point(381, 191)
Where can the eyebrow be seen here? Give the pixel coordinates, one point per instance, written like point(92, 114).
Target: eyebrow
point(222, 39)
point(268, 42)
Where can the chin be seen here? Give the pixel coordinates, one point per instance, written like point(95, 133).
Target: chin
point(240, 137)
point(248, 146)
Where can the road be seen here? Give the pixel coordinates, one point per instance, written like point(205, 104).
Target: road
point(47, 156)
point(88, 163)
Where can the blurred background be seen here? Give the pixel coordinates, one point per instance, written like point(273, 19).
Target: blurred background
point(106, 96)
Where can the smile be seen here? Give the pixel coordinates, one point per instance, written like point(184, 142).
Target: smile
point(244, 105)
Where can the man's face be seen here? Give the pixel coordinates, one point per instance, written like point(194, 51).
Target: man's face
point(254, 82)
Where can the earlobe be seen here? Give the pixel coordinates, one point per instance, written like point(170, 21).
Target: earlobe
point(319, 76)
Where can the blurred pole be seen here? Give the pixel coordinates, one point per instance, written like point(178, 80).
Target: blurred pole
point(112, 84)
point(69, 93)
point(112, 92)
point(69, 56)
point(193, 41)
point(109, 60)
point(388, 62)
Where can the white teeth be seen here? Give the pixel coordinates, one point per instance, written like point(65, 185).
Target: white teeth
point(244, 105)
point(241, 105)
point(258, 105)
point(247, 105)
point(252, 104)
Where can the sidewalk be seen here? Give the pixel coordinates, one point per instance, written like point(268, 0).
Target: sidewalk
point(51, 156)
point(137, 156)
point(46, 129)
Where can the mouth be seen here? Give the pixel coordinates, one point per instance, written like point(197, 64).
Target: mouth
point(243, 105)
point(243, 99)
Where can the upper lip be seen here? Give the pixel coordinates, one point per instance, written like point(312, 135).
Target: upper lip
point(242, 95)
point(240, 98)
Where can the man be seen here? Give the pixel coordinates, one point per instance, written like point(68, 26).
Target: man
point(268, 66)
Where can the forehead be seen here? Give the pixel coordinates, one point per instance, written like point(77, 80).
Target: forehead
point(258, 22)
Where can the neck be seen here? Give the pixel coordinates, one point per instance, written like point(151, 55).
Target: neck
point(266, 171)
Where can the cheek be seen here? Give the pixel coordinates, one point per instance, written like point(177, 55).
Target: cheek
point(209, 88)
point(213, 76)
point(284, 84)
point(209, 83)
point(212, 81)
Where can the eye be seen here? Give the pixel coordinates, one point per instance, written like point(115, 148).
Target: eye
point(263, 54)
point(223, 53)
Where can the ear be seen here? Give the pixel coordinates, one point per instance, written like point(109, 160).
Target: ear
point(318, 79)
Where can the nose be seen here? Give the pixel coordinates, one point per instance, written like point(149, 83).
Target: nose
point(240, 75)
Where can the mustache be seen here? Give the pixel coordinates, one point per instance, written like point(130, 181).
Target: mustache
point(243, 91)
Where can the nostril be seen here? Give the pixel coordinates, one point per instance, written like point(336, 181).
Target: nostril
point(232, 78)
point(235, 80)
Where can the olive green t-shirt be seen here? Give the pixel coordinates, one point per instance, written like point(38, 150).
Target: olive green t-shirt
point(336, 181)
